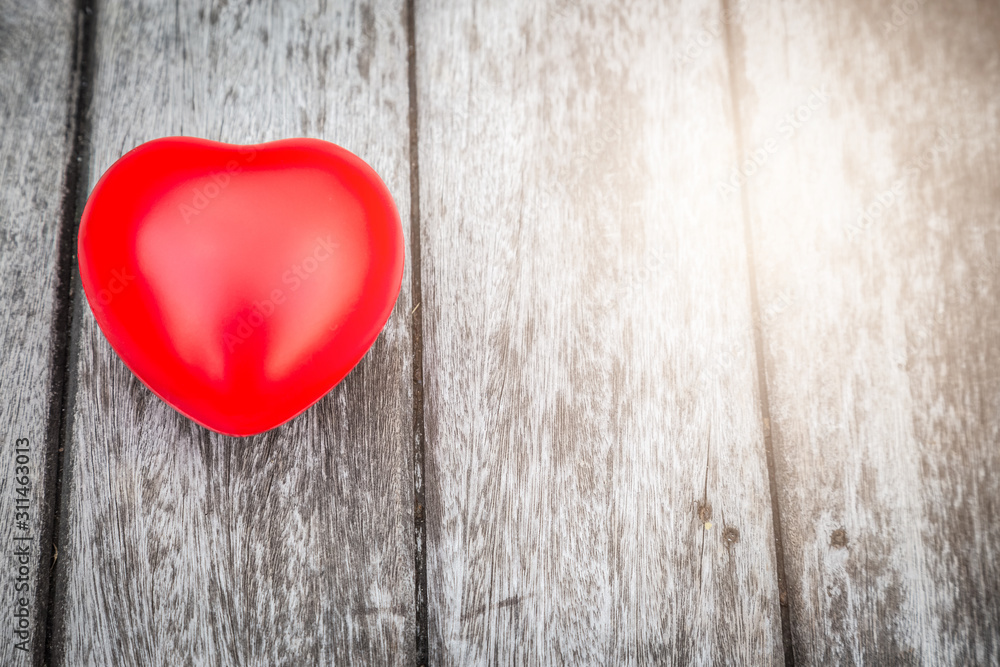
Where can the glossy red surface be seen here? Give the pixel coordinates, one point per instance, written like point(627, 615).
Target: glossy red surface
point(241, 283)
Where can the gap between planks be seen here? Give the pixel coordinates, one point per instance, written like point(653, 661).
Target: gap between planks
point(417, 341)
point(733, 59)
point(66, 320)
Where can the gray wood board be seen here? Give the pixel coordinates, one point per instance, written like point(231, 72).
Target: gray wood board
point(597, 490)
point(181, 546)
point(883, 359)
point(36, 100)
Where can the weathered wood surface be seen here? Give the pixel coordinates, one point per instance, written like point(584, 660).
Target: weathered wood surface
point(596, 483)
point(294, 547)
point(883, 353)
point(36, 94)
point(596, 273)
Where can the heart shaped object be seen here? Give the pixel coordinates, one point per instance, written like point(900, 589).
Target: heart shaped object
point(241, 283)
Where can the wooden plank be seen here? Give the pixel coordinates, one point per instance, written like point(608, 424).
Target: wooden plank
point(883, 359)
point(295, 546)
point(597, 490)
point(37, 94)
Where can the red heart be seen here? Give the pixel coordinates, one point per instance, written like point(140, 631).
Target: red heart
point(241, 283)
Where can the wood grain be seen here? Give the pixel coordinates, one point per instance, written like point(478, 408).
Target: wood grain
point(596, 483)
point(36, 102)
point(296, 546)
point(883, 359)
